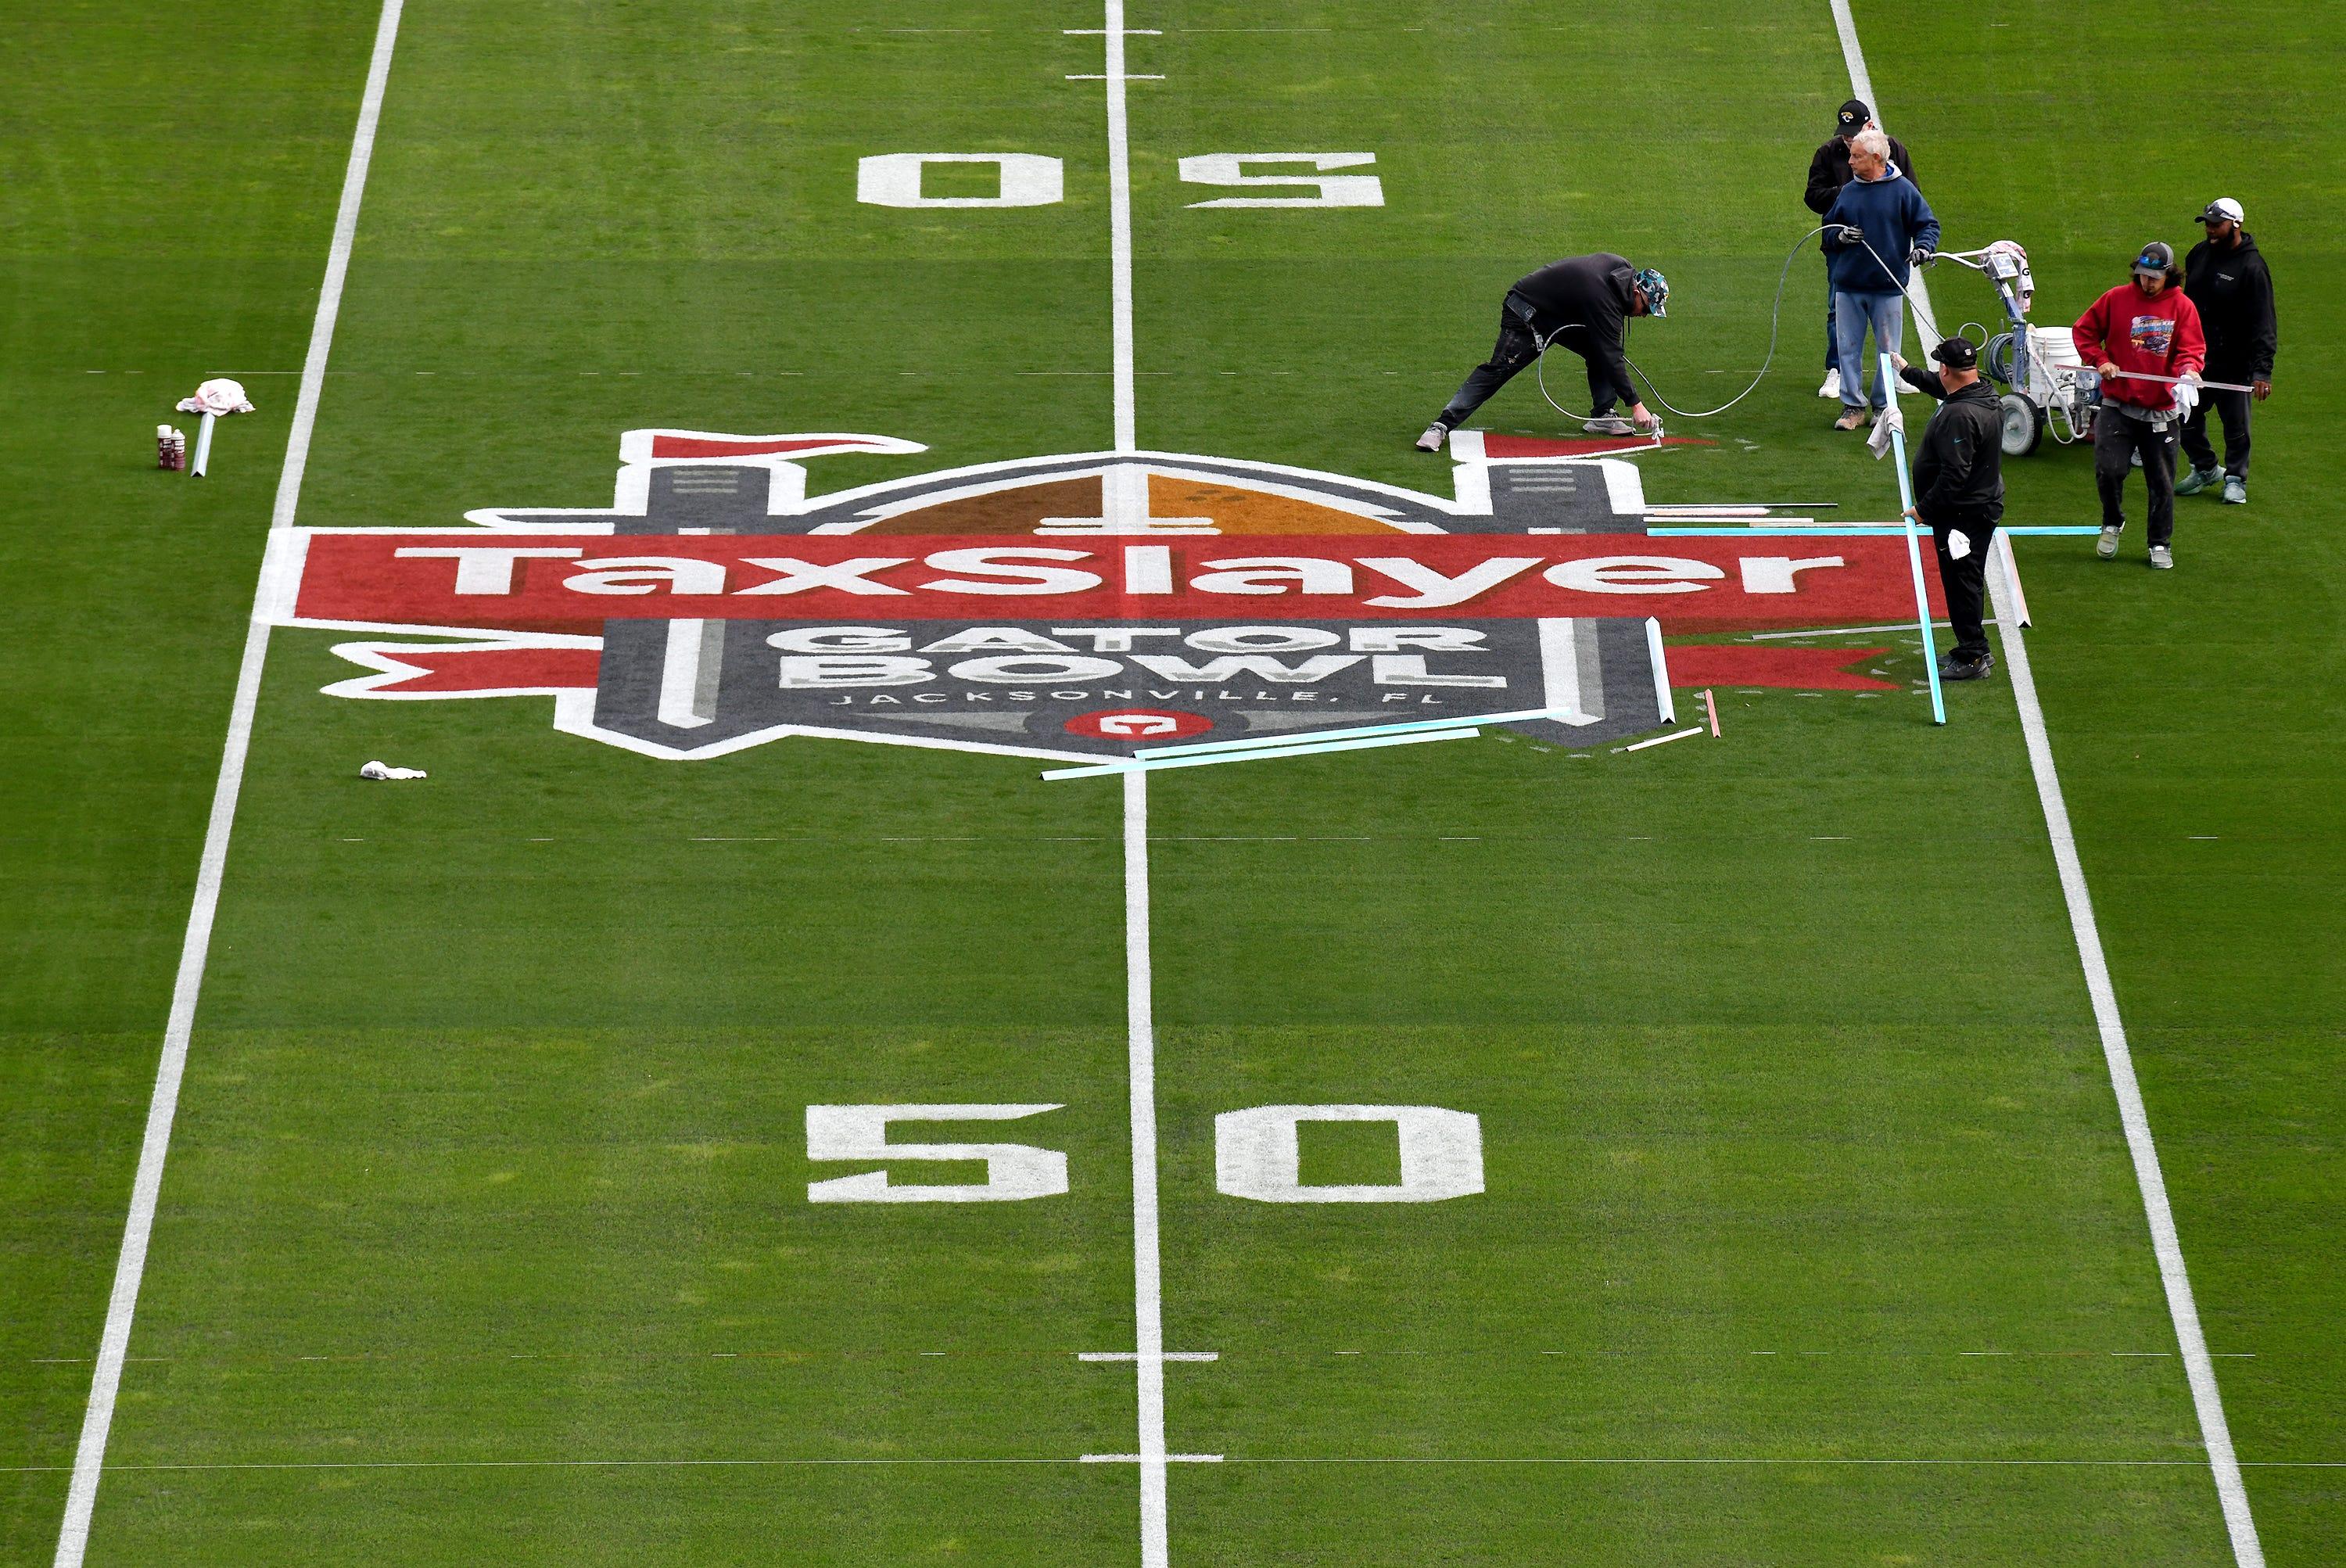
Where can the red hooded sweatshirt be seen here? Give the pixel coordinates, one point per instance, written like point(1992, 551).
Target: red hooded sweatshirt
point(2159, 335)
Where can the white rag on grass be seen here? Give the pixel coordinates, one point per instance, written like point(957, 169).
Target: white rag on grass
point(219, 395)
point(1884, 423)
point(385, 770)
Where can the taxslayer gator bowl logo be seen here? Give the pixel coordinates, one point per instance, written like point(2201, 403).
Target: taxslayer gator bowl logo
point(1072, 607)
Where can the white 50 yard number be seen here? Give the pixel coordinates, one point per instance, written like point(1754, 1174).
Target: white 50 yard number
point(1257, 1155)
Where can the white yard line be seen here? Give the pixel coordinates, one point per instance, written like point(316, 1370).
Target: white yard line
point(1147, 1281)
point(793, 1462)
point(1852, 53)
point(1120, 230)
point(122, 1305)
point(1861, 83)
point(2206, 1399)
point(1141, 1025)
point(338, 266)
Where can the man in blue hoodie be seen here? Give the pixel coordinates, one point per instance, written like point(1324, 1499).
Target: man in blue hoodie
point(1879, 228)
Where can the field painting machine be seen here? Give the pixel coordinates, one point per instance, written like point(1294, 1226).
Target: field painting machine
point(2048, 387)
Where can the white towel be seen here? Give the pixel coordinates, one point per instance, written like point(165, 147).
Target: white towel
point(219, 395)
point(385, 770)
point(1888, 421)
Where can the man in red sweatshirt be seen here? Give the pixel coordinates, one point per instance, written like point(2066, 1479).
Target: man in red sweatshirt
point(2151, 328)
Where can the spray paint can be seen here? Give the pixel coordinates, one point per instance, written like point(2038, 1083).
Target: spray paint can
point(170, 449)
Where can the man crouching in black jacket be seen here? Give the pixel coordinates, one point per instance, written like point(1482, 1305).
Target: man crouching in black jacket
point(1959, 493)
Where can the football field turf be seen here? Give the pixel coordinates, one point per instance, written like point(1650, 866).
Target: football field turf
point(1807, 1229)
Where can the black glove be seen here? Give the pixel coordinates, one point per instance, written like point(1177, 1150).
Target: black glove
point(1850, 234)
point(1918, 256)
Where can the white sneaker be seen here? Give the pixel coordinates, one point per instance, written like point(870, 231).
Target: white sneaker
point(2106, 547)
point(1611, 424)
point(1832, 383)
point(2162, 559)
point(1432, 440)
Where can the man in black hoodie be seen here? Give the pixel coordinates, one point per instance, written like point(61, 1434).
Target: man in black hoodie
point(1584, 303)
point(1828, 172)
point(1959, 493)
point(2227, 278)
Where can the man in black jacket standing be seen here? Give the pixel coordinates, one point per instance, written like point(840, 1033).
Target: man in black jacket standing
point(1584, 303)
point(1828, 172)
point(2227, 278)
point(1959, 493)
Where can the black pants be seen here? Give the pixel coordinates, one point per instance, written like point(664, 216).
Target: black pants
point(1518, 347)
point(1833, 330)
point(2116, 438)
point(2232, 408)
point(1963, 578)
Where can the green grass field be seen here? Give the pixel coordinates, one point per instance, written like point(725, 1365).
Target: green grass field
point(1809, 1232)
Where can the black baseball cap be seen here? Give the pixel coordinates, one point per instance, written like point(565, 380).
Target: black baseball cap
point(1853, 114)
point(1957, 353)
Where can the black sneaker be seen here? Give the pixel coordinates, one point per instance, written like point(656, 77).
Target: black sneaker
point(1955, 667)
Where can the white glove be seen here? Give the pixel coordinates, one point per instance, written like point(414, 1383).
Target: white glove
point(2186, 396)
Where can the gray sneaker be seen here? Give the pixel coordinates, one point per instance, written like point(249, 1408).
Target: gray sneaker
point(1433, 438)
point(2198, 479)
point(2106, 547)
point(1611, 424)
point(2162, 559)
point(2236, 490)
point(1955, 667)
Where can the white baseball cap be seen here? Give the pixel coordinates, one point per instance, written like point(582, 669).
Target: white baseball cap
point(2222, 208)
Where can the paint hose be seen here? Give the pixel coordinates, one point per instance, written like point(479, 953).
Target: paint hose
point(1775, 328)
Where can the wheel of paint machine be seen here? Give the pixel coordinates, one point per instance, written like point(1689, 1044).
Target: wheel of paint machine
point(2024, 426)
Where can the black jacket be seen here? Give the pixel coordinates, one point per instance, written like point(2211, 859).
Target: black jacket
point(1959, 463)
point(1591, 292)
point(1829, 171)
point(2233, 289)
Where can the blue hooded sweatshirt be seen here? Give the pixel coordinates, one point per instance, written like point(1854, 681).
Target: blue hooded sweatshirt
point(1895, 219)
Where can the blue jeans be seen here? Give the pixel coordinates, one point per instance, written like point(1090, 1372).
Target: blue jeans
point(1852, 315)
